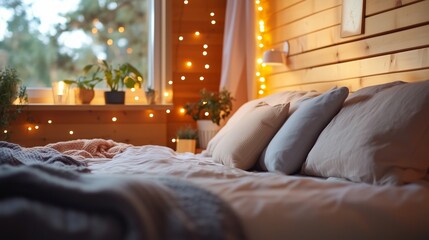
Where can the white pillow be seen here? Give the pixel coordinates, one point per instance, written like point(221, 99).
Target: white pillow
point(380, 136)
point(241, 146)
point(292, 97)
point(288, 149)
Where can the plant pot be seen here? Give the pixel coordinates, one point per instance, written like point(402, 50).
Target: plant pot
point(185, 145)
point(83, 96)
point(114, 97)
point(206, 131)
point(150, 97)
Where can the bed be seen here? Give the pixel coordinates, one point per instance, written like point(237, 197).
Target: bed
point(293, 165)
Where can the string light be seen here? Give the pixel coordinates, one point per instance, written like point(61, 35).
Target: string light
point(121, 29)
point(205, 46)
point(180, 38)
point(151, 115)
point(166, 94)
point(36, 127)
point(197, 33)
point(206, 66)
point(205, 53)
point(110, 42)
point(258, 74)
point(71, 132)
point(261, 79)
point(212, 14)
point(168, 111)
point(136, 98)
point(213, 22)
point(94, 30)
point(186, 2)
point(173, 140)
point(182, 78)
point(206, 114)
point(114, 119)
point(170, 82)
point(29, 128)
point(5, 131)
point(189, 64)
point(201, 78)
point(49, 121)
point(133, 89)
point(182, 110)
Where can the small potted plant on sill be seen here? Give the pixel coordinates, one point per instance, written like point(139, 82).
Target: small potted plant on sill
point(186, 140)
point(84, 93)
point(208, 112)
point(116, 78)
point(10, 90)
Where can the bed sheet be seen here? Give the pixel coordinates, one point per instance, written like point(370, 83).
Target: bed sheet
point(275, 206)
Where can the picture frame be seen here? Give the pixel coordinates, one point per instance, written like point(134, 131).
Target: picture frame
point(352, 18)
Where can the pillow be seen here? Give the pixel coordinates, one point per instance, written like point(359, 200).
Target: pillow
point(242, 145)
point(288, 149)
point(380, 136)
point(294, 97)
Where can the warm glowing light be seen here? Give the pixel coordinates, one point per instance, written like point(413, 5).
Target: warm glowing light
point(261, 79)
point(49, 121)
point(29, 128)
point(168, 111)
point(170, 82)
point(259, 60)
point(121, 29)
point(133, 89)
point(110, 42)
point(258, 2)
point(201, 78)
point(206, 66)
point(197, 33)
point(166, 94)
point(71, 132)
point(261, 45)
point(94, 30)
point(186, 2)
point(205, 53)
point(206, 114)
point(182, 110)
point(182, 78)
point(129, 50)
point(259, 37)
point(260, 8)
point(36, 127)
point(205, 46)
point(151, 115)
point(180, 38)
point(258, 74)
point(136, 98)
point(261, 92)
point(212, 14)
point(189, 64)
point(204, 103)
point(263, 64)
point(114, 119)
point(173, 140)
point(5, 131)
point(263, 86)
point(213, 22)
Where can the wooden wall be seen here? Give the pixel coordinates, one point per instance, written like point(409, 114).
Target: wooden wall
point(187, 19)
point(394, 46)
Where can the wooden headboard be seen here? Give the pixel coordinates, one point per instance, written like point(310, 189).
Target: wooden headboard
point(394, 45)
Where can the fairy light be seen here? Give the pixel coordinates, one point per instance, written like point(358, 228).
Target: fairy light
point(259, 60)
point(36, 127)
point(182, 78)
point(213, 22)
point(260, 8)
point(170, 82)
point(94, 30)
point(166, 94)
point(205, 46)
point(49, 121)
point(259, 37)
point(136, 98)
point(201, 78)
point(186, 2)
point(261, 92)
point(206, 66)
point(189, 64)
point(197, 33)
point(212, 14)
point(261, 67)
point(182, 110)
point(151, 115)
point(121, 29)
point(71, 132)
point(29, 128)
point(5, 131)
point(261, 79)
point(114, 119)
point(133, 89)
point(261, 45)
point(180, 38)
point(204, 53)
point(110, 42)
point(258, 74)
point(206, 114)
point(168, 111)
point(263, 86)
point(129, 50)
point(173, 140)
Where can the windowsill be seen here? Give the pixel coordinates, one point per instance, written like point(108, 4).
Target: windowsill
point(95, 107)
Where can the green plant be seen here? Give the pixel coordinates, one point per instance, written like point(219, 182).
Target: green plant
point(187, 133)
point(89, 79)
point(212, 105)
point(124, 75)
point(10, 90)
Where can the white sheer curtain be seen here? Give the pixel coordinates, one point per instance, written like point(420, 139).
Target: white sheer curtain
point(239, 47)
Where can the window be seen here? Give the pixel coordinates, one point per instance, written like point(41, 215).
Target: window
point(51, 40)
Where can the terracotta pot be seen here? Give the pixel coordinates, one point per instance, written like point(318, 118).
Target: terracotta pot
point(83, 96)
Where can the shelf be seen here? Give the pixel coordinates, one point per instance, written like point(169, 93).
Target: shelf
point(90, 107)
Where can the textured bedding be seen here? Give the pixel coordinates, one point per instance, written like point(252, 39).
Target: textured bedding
point(275, 206)
point(54, 201)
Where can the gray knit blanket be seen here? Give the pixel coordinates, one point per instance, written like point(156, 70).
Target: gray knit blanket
point(38, 201)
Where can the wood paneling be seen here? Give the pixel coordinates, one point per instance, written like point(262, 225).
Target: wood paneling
point(394, 46)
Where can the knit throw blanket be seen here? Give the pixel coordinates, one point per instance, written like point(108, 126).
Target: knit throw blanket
point(15, 155)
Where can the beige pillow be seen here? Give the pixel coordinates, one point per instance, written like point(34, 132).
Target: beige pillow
point(380, 136)
point(294, 97)
point(241, 146)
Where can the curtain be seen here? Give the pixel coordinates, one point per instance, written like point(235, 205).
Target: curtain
point(239, 48)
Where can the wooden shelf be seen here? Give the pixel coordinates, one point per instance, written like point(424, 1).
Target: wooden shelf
point(90, 107)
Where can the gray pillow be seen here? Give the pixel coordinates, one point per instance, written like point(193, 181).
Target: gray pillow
point(288, 149)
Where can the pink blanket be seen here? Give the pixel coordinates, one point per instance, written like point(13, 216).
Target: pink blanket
point(89, 148)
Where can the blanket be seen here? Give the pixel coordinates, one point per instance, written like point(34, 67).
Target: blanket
point(14, 155)
point(41, 202)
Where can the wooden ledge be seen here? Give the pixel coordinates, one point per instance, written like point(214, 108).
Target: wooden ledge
point(100, 107)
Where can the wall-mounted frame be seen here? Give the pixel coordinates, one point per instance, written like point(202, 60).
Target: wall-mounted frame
point(352, 18)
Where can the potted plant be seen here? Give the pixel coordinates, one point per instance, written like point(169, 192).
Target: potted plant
point(209, 111)
point(84, 93)
point(186, 140)
point(124, 75)
point(10, 90)
point(150, 95)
